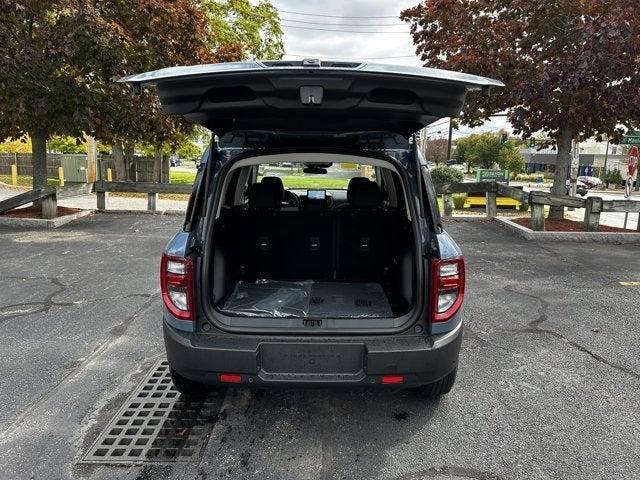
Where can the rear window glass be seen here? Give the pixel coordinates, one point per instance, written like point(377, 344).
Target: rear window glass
point(298, 176)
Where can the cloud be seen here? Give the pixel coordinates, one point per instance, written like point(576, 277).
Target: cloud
point(338, 45)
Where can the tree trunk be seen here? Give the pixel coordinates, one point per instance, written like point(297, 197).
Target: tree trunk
point(563, 164)
point(157, 164)
point(118, 160)
point(39, 158)
point(166, 166)
point(128, 160)
point(92, 158)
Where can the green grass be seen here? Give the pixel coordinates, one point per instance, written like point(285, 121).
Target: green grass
point(187, 178)
point(182, 178)
point(300, 182)
point(27, 180)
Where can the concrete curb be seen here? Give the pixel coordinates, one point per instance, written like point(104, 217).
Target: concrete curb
point(466, 218)
point(41, 222)
point(582, 237)
point(142, 212)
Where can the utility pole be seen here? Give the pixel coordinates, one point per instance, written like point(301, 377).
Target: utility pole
point(606, 156)
point(450, 136)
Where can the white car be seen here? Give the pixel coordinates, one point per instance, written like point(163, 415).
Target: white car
point(590, 182)
point(581, 187)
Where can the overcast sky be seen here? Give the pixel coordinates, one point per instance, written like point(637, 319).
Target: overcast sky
point(301, 41)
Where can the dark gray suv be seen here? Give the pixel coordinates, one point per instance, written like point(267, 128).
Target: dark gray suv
point(312, 252)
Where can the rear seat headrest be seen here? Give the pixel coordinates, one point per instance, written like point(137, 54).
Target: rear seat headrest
point(276, 182)
point(363, 193)
point(263, 196)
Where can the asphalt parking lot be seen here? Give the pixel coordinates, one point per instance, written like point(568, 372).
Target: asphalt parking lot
point(548, 386)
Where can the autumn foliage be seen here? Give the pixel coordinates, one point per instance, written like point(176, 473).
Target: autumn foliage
point(60, 60)
point(571, 67)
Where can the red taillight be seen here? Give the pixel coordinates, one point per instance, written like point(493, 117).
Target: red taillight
point(230, 378)
point(447, 288)
point(392, 379)
point(176, 283)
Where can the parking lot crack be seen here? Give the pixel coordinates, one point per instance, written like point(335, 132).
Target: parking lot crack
point(534, 328)
point(459, 472)
point(116, 332)
point(15, 310)
point(542, 310)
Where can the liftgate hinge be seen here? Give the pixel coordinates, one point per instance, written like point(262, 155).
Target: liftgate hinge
point(196, 247)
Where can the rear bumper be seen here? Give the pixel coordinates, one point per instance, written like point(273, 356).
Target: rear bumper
point(304, 361)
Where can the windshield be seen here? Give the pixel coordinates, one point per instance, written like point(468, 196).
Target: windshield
point(298, 176)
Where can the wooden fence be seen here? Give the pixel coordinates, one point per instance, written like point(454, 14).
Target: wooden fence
point(25, 163)
point(152, 190)
point(48, 197)
point(537, 200)
point(141, 168)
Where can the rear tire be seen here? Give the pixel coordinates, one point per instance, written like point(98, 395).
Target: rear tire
point(441, 387)
point(189, 388)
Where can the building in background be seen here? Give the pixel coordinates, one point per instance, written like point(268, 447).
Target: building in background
point(594, 157)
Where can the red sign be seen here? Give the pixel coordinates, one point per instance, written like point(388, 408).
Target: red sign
point(633, 161)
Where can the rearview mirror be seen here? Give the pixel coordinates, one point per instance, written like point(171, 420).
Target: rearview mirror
point(315, 170)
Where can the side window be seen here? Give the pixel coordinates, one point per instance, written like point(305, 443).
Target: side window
point(230, 192)
point(430, 198)
point(197, 194)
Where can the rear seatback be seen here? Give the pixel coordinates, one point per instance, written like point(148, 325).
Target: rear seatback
point(363, 232)
point(311, 245)
point(282, 244)
point(264, 240)
point(352, 244)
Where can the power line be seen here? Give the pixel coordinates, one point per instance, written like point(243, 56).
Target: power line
point(350, 58)
point(332, 16)
point(346, 24)
point(341, 31)
point(435, 125)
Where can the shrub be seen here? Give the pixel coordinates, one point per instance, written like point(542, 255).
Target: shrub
point(531, 177)
point(442, 175)
point(458, 200)
point(612, 177)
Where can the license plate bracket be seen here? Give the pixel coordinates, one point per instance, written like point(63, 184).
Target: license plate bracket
point(311, 358)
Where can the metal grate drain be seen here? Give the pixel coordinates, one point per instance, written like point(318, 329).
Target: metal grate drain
point(156, 424)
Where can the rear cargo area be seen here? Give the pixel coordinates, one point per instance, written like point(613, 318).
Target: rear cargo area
point(308, 299)
point(349, 258)
point(304, 265)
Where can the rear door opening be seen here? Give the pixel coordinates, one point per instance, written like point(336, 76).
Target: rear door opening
point(313, 240)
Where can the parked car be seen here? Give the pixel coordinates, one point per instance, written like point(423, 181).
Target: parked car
point(338, 287)
point(175, 161)
point(581, 187)
point(590, 182)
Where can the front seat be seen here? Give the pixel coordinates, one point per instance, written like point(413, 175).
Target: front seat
point(285, 195)
point(362, 193)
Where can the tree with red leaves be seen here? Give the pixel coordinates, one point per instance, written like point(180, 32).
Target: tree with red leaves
point(571, 67)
